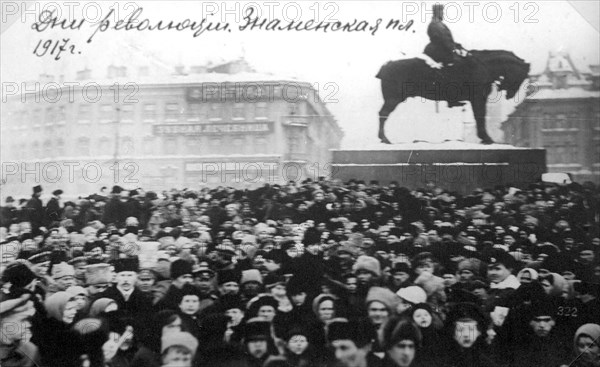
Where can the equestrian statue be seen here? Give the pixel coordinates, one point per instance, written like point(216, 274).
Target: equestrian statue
point(459, 75)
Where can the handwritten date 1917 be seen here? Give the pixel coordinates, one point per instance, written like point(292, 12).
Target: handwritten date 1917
point(54, 48)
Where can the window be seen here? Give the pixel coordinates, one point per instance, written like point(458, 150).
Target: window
point(260, 111)
point(126, 147)
point(127, 113)
point(239, 145)
point(239, 111)
point(572, 153)
point(83, 147)
point(293, 109)
point(35, 149)
point(560, 154)
point(23, 151)
point(295, 145)
point(260, 145)
point(193, 145)
point(25, 119)
point(215, 112)
point(215, 145)
point(37, 117)
point(62, 115)
point(548, 122)
point(148, 145)
point(60, 148)
point(170, 146)
point(150, 112)
point(561, 121)
point(196, 112)
point(104, 146)
point(84, 113)
point(172, 111)
point(47, 150)
point(107, 113)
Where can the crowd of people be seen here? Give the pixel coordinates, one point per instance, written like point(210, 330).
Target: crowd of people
point(313, 274)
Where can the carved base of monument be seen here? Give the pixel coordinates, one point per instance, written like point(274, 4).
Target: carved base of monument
point(456, 166)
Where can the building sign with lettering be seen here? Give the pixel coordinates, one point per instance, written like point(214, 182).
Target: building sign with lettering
point(214, 129)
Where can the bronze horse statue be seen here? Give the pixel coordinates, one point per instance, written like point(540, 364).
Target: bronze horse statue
point(470, 80)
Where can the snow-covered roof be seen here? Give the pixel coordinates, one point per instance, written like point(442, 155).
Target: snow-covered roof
point(446, 145)
point(568, 93)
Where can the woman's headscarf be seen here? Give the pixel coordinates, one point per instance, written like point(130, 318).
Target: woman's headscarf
point(534, 274)
point(55, 304)
point(100, 306)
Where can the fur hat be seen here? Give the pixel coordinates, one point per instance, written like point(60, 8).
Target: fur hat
point(180, 267)
point(413, 294)
point(369, 264)
point(466, 311)
point(251, 275)
point(433, 286)
point(398, 329)
point(97, 274)
point(62, 270)
point(257, 329)
point(296, 285)
point(181, 338)
point(383, 295)
point(18, 274)
point(320, 299)
point(361, 332)
point(229, 276)
point(231, 301)
point(37, 189)
point(590, 330)
point(127, 264)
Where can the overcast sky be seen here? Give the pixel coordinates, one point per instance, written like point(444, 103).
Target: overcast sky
point(350, 60)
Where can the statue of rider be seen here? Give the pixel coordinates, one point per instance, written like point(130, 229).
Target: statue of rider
point(442, 47)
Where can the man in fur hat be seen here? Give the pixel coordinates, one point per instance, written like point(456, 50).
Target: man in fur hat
point(351, 343)
point(35, 209)
point(16, 310)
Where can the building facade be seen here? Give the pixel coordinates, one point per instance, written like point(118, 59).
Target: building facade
point(224, 125)
point(561, 114)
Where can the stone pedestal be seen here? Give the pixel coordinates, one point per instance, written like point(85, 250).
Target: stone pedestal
point(456, 166)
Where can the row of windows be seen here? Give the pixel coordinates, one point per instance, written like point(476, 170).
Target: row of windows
point(148, 146)
point(562, 154)
point(149, 112)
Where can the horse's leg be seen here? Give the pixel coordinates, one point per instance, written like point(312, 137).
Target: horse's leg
point(479, 110)
point(391, 100)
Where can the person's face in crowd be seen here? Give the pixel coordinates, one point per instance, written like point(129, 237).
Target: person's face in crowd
point(230, 288)
point(190, 304)
point(499, 230)
point(546, 285)
point(588, 348)
point(297, 344)
point(326, 311)
point(11, 255)
point(364, 276)
point(466, 333)
point(292, 252)
point(569, 244)
point(173, 327)
point(526, 277)
point(96, 253)
point(81, 301)
point(378, 313)
point(465, 275)
point(204, 281)
point(251, 289)
point(403, 306)
point(490, 334)
point(266, 312)
point(508, 240)
point(449, 280)
point(542, 325)
point(298, 299)
point(257, 348)
point(41, 269)
point(348, 354)
point(498, 272)
point(422, 318)
point(586, 257)
point(176, 358)
point(145, 283)
point(400, 277)
point(425, 266)
point(278, 291)
point(182, 280)
point(97, 288)
point(126, 280)
point(69, 312)
point(596, 242)
point(236, 315)
point(403, 353)
point(65, 282)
